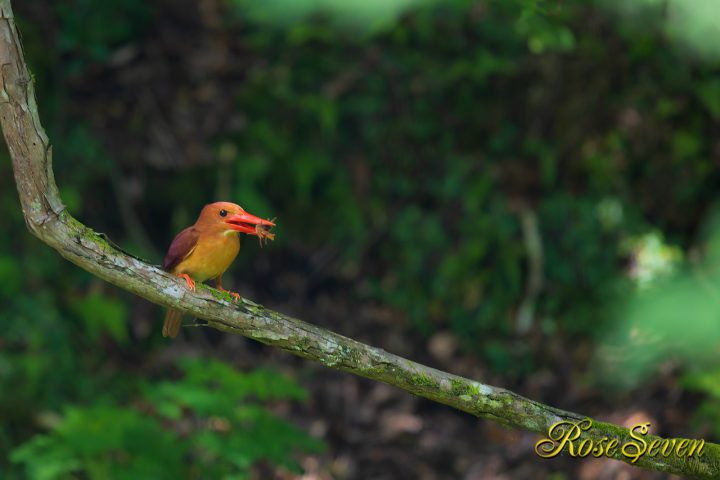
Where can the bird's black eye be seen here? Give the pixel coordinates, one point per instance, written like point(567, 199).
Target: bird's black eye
point(223, 213)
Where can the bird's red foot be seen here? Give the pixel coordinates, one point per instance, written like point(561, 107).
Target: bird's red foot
point(235, 295)
point(190, 281)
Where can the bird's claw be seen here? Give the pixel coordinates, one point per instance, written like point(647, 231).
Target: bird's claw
point(190, 281)
point(235, 295)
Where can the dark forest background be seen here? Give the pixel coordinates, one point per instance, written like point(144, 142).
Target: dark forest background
point(517, 191)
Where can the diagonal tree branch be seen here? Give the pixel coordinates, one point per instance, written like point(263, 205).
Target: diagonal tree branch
point(47, 218)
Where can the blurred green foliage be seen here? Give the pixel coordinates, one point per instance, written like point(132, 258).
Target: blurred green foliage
point(219, 426)
point(92, 29)
point(706, 380)
point(688, 23)
point(671, 318)
point(408, 147)
point(417, 148)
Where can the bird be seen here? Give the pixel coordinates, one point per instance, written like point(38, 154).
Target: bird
point(205, 250)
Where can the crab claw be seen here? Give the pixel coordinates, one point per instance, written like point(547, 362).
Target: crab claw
point(247, 223)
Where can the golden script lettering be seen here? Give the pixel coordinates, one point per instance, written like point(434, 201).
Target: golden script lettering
point(565, 436)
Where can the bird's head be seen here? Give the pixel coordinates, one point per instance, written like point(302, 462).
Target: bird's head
point(228, 217)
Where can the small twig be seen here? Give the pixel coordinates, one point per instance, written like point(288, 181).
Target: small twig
point(535, 278)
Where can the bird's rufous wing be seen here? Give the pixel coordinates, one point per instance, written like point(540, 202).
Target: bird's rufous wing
point(180, 248)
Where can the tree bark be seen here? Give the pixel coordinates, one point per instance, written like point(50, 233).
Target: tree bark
point(47, 219)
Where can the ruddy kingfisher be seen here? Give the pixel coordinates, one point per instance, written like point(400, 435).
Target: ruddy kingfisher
point(206, 249)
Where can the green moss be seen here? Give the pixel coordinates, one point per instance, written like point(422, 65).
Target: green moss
point(80, 231)
point(338, 355)
point(254, 309)
point(301, 345)
point(422, 379)
point(458, 387)
point(475, 389)
point(217, 293)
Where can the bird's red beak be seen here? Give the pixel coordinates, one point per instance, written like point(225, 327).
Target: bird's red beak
point(247, 223)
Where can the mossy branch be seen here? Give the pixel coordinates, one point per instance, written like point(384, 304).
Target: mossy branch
point(47, 218)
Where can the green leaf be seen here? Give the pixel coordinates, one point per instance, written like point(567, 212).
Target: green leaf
point(101, 314)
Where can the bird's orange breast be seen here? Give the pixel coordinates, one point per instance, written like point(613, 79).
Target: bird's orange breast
point(211, 256)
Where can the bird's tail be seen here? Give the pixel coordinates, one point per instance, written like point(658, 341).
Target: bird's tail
point(173, 322)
